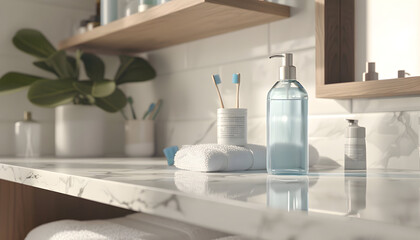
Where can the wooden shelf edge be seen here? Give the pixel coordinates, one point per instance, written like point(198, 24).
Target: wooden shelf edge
point(370, 89)
point(127, 22)
point(256, 5)
point(90, 39)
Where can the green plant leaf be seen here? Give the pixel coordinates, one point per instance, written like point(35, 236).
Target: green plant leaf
point(134, 69)
point(78, 61)
point(14, 81)
point(103, 88)
point(94, 66)
point(34, 43)
point(51, 93)
point(61, 64)
point(90, 99)
point(73, 63)
point(112, 103)
point(44, 66)
point(83, 87)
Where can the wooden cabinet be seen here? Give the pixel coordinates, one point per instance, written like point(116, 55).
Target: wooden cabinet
point(23, 208)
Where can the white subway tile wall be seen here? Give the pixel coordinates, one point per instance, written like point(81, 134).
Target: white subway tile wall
point(184, 80)
point(236, 46)
point(190, 101)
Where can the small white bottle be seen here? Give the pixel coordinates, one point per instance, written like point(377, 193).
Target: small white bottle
point(27, 137)
point(355, 147)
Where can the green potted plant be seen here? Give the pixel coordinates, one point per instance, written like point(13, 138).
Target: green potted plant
point(79, 119)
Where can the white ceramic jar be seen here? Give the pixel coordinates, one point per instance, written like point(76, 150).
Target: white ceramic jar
point(139, 138)
point(79, 131)
point(232, 126)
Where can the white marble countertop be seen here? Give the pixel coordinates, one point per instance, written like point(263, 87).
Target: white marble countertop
point(325, 205)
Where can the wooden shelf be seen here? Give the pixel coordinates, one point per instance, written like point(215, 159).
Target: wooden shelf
point(176, 22)
point(370, 89)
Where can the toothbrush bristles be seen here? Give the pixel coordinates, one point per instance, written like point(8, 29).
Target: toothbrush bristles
point(217, 80)
point(236, 78)
point(151, 107)
point(155, 110)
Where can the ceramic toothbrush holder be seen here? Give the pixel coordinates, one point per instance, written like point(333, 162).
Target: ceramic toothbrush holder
point(139, 138)
point(232, 126)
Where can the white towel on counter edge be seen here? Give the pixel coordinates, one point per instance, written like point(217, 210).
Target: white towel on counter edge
point(138, 226)
point(217, 157)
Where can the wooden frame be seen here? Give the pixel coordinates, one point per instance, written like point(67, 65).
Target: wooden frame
point(176, 22)
point(23, 208)
point(335, 58)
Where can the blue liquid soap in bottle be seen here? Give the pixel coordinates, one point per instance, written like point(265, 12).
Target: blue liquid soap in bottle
point(287, 123)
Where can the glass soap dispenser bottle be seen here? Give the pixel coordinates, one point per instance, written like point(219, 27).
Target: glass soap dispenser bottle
point(287, 122)
point(27, 137)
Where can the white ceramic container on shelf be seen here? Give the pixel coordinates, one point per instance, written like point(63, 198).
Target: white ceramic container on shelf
point(139, 138)
point(79, 131)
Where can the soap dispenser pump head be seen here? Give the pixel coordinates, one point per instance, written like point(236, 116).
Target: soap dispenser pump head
point(287, 70)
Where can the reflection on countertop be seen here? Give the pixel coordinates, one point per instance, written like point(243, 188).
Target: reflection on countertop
point(391, 196)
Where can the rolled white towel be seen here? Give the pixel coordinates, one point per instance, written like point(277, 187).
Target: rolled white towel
point(87, 230)
point(137, 226)
point(217, 157)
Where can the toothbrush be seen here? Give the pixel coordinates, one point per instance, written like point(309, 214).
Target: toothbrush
point(157, 109)
point(130, 101)
point(236, 79)
point(123, 114)
point(151, 107)
point(217, 81)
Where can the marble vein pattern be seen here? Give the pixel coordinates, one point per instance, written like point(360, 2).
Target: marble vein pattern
point(382, 204)
point(391, 138)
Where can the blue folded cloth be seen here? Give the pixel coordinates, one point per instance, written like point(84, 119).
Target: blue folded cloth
point(170, 154)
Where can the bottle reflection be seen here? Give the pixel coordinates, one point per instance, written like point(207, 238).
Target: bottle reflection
point(288, 193)
point(355, 188)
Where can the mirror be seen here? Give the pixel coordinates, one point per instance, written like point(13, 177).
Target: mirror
point(350, 33)
point(387, 33)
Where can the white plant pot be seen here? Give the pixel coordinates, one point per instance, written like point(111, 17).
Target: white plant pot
point(79, 131)
point(139, 138)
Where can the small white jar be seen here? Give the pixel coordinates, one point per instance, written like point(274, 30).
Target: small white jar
point(139, 138)
point(232, 126)
point(355, 147)
point(27, 137)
